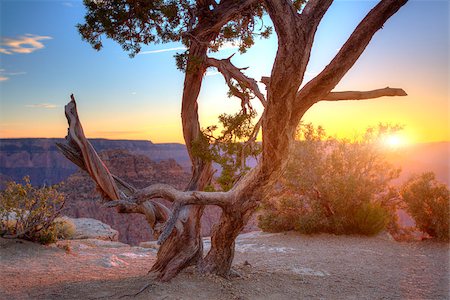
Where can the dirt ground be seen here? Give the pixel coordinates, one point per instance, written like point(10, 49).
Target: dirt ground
point(271, 266)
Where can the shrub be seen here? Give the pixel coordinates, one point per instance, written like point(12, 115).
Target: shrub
point(370, 219)
point(428, 203)
point(29, 213)
point(279, 216)
point(335, 186)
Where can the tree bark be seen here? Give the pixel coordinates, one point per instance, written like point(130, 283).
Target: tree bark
point(186, 248)
point(246, 195)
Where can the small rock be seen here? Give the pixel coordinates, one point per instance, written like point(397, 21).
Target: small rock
point(110, 261)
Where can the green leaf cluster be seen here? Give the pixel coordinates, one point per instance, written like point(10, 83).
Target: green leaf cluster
point(229, 148)
point(133, 23)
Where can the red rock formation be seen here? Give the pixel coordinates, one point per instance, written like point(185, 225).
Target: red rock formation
point(83, 201)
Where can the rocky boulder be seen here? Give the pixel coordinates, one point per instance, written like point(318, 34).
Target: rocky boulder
point(87, 228)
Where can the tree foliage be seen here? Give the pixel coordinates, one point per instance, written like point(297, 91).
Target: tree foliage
point(231, 148)
point(334, 185)
point(31, 213)
point(428, 203)
point(133, 23)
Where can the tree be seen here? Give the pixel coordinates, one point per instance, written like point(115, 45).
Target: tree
point(428, 202)
point(204, 25)
point(334, 185)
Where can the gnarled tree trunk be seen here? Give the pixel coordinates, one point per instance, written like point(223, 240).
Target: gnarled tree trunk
point(181, 250)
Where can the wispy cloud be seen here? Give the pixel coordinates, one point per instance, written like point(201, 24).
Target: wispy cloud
point(5, 75)
point(42, 105)
point(225, 46)
point(68, 4)
point(2, 72)
point(162, 50)
point(25, 44)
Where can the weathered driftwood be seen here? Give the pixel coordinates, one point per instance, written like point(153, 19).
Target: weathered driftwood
point(80, 151)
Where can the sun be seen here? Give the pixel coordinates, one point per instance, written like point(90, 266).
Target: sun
point(395, 141)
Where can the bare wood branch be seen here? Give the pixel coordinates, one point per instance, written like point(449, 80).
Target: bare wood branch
point(355, 95)
point(79, 150)
point(170, 224)
point(256, 130)
point(229, 71)
point(364, 95)
point(265, 80)
point(170, 193)
point(295, 39)
point(323, 83)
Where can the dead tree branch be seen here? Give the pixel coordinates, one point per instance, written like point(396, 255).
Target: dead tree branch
point(230, 71)
point(364, 95)
point(323, 83)
point(355, 95)
point(80, 151)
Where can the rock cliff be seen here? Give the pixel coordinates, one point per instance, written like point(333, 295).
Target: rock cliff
point(40, 159)
point(82, 200)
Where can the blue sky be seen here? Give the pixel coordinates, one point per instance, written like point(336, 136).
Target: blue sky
point(44, 60)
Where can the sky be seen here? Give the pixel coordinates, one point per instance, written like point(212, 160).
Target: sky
point(43, 60)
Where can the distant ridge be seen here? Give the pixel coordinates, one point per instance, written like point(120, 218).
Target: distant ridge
point(40, 159)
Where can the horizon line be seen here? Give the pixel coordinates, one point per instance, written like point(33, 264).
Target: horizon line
point(173, 142)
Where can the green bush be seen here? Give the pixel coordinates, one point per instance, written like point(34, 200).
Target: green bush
point(29, 213)
point(334, 186)
point(428, 203)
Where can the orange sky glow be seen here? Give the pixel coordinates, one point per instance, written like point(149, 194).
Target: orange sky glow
point(140, 98)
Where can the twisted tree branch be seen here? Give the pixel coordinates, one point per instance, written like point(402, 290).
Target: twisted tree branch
point(230, 71)
point(78, 150)
point(323, 83)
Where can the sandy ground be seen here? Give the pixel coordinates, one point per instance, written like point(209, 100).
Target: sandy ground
point(272, 266)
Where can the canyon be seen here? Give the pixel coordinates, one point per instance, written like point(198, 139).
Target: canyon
point(142, 163)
